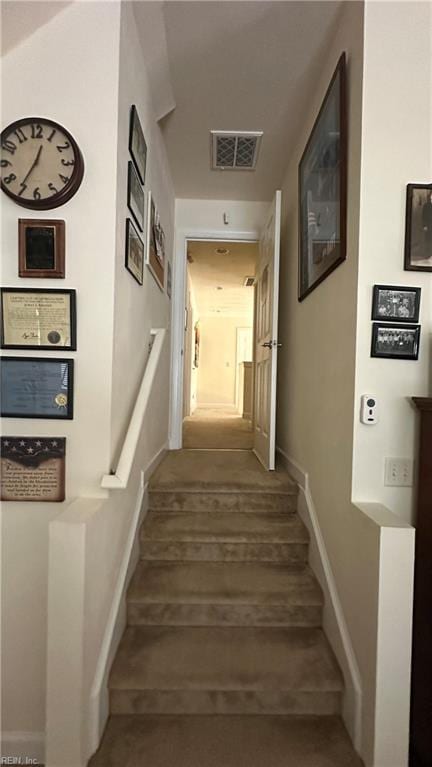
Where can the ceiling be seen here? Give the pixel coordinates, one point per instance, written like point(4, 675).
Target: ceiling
point(20, 19)
point(209, 271)
point(239, 66)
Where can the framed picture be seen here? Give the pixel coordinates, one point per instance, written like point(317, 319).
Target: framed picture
point(135, 196)
point(134, 260)
point(155, 252)
point(323, 189)
point(38, 318)
point(36, 387)
point(418, 228)
point(32, 469)
point(137, 144)
point(396, 304)
point(169, 279)
point(41, 248)
point(395, 341)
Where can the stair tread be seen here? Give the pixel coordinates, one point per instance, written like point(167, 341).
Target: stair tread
point(224, 658)
point(221, 526)
point(228, 741)
point(224, 583)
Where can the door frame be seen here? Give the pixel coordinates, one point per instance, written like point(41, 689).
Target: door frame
point(178, 308)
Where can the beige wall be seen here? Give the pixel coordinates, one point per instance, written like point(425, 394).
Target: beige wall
point(217, 364)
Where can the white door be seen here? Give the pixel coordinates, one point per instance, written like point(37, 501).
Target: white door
point(266, 337)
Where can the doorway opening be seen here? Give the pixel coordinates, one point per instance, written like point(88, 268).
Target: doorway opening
point(218, 385)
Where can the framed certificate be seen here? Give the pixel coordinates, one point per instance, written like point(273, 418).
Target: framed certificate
point(36, 387)
point(38, 318)
point(32, 469)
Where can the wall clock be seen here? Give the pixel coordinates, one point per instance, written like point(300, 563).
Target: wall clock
point(41, 164)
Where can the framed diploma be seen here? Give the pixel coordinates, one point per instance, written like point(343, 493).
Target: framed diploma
point(37, 318)
point(41, 247)
point(34, 387)
point(32, 469)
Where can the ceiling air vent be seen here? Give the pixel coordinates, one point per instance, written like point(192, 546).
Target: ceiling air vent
point(248, 282)
point(235, 151)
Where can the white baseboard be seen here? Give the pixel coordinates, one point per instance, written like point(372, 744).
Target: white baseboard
point(23, 746)
point(334, 622)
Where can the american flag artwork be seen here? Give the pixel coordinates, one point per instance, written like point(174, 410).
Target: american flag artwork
point(32, 451)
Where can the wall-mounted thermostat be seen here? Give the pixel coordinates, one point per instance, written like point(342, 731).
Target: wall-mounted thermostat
point(369, 409)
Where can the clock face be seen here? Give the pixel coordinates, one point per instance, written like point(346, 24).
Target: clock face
point(41, 164)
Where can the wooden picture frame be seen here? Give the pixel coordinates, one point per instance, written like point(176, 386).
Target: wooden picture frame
point(38, 318)
point(135, 196)
point(36, 387)
point(322, 189)
point(155, 243)
point(137, 144)
point(396, 342)
point(134, 253)
point(418, 228)
point(394, 303)
point(41, 248)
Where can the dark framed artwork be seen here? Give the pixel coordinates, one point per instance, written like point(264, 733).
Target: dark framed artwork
point(155, 251)
point(41, 248)
point(32, 469)
point(135, 196)
point(396, 304)
point(398, 342)
point(36, 387)
point(169, 280)
point(418, 228)
point(137, 144)
point(134, 258)
point(323, 189)
point(38, 318)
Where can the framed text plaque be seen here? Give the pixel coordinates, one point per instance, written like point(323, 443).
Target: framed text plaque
point(41, 247)
point(38, 318)
point(33, 387)
point(32, 469)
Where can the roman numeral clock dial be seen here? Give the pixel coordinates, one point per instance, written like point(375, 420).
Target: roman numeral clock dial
point(41, 164)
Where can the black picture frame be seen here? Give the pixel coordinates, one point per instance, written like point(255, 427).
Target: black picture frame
point(39, 398)
point(135, 196)
point(53, 336)
point(322, 189)
point(418, 228)
point(396, 345)
point(134, 253)
point(137, 144)
point(394, 303)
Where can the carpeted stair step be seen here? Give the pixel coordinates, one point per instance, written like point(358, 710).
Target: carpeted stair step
point(214, 670)
point(221, 741)
point(224, 536)
point(168, 500)
point(223, 593)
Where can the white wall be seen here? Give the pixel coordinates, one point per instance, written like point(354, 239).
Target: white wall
point(396, 150)
point(218, 359)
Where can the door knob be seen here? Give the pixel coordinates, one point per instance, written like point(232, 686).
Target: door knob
point(270, 344)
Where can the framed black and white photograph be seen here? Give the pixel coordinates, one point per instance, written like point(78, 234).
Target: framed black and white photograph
point(396, 304)
point(418, 228)
point(36, 387)
point(135, 196)
point(38, 318)
point(137, 144)
point(155, 251)
point(397, 342)
point(134, 258)
point(323, 189)
point(41, 248)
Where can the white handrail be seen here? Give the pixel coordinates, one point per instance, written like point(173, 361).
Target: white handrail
point(120, 478)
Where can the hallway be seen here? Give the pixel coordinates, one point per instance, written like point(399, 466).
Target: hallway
point(217, 429)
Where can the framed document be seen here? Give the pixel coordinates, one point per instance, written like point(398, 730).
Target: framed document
point(32, 469)
point(134, 256)
point(36, 387)
point(41, 247)
point(35, 318)
point(135, 196)
point(155, 247)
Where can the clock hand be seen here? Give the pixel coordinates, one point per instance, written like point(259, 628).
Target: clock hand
point(34, 165)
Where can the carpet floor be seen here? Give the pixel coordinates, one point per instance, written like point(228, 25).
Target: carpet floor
point(217, 430)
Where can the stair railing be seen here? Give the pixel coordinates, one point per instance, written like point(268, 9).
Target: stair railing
point(119, 479)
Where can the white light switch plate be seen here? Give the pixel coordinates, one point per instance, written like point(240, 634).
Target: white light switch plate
point(399, 472)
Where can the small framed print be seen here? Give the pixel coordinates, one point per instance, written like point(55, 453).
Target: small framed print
point(135, 196)
point(418, 228)
point(396, 304)
point(41, 248)
point(32, 469)
point(134, 259)
point(397, 342)
point(38, 318)
point(36, 387)
point(137, 144)
point(155, 252)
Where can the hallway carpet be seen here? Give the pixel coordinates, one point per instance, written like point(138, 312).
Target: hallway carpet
point(217, 430)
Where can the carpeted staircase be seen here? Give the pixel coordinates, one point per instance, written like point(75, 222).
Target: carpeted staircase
point(223, 661)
